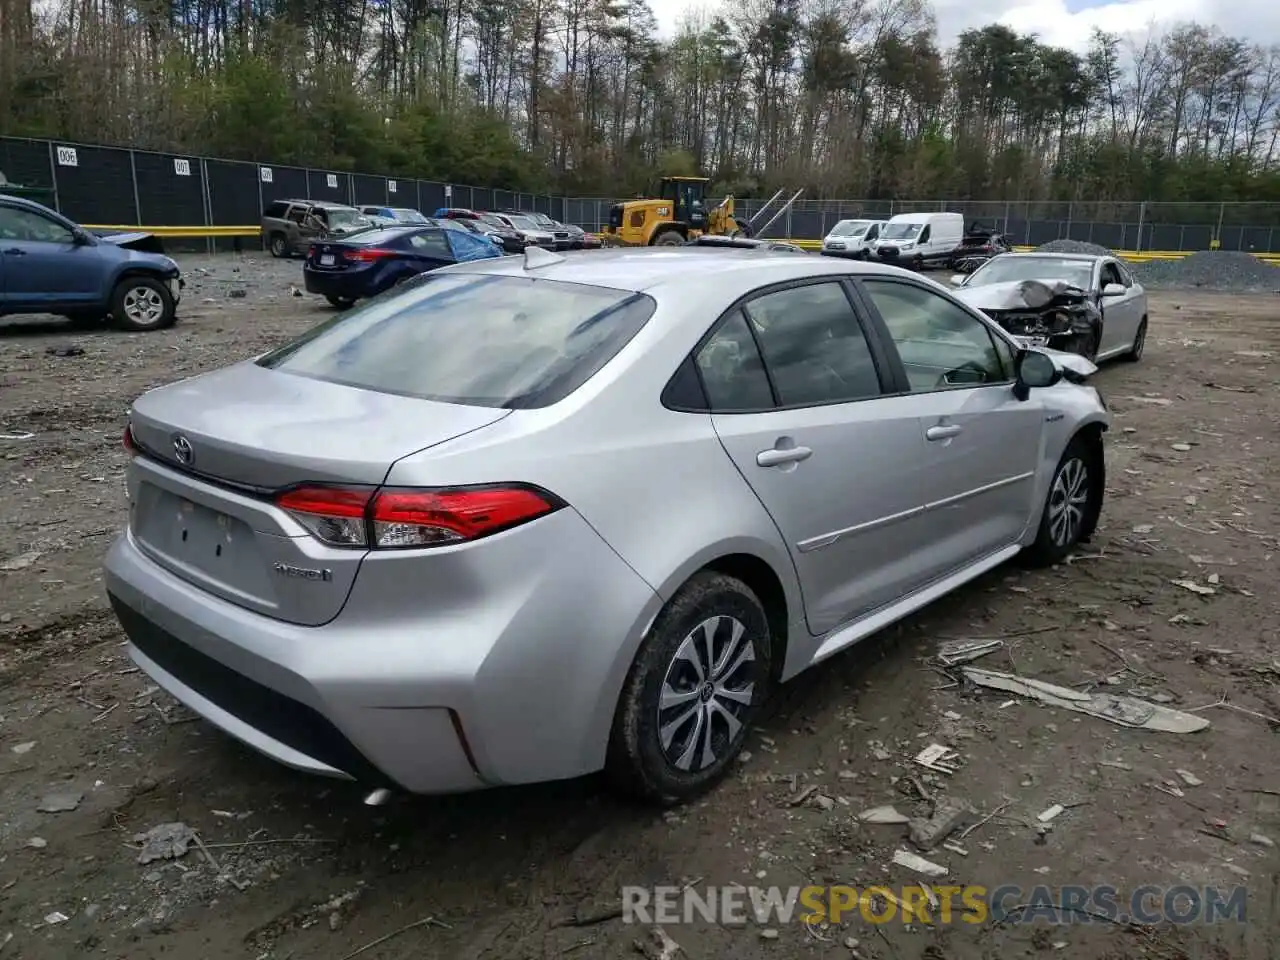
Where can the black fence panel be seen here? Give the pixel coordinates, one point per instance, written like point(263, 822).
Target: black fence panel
point(95, 185)
point(26, 162)
point(804, 225)
point(282, 183)
point(401, 193)
point(482, 198)
point(430, 196)
point(170, 190)
point(371, 191)
point(233, 193)
point(503, 200)
point(325, 185)
point(1253, 239)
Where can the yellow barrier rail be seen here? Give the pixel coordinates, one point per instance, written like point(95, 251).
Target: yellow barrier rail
point(197, 232)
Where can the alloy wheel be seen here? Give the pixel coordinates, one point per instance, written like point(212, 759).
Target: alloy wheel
point(1068, 501)
point(705, 694)
point(143, 305)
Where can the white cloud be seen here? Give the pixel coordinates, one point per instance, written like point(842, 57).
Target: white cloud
point(1066, 23)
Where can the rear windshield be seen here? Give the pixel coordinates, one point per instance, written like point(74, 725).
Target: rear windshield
point(376, 236)
point(512, 342)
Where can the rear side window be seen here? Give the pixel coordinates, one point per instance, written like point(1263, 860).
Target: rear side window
point(430, 243)
point(511, 342)
point(732, 372)
point(813, 345)
point(277, 209)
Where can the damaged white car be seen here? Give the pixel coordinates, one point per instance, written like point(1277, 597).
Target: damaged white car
point(1078, 303)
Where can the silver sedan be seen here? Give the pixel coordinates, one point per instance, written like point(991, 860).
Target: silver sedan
point(530, 518)
point(1110, 287)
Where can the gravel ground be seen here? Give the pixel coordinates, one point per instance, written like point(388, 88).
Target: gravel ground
point(296, 867)
point(1229, 270)
point(1074, 246)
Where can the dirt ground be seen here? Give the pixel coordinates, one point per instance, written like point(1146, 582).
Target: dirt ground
point(305, 870)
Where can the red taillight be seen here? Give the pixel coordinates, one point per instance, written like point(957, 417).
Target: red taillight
point(410, 518)
point(130, 445)
point(369, 254)
point(311, 252)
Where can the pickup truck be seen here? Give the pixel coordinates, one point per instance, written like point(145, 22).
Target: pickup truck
point(289, 227)
point(48, 264)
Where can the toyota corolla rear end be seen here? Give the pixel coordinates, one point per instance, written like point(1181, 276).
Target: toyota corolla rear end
point(294, 570)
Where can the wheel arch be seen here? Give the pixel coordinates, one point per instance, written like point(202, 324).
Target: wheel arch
point(668, 227)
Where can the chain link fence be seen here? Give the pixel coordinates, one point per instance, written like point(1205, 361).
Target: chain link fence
point(115, 187)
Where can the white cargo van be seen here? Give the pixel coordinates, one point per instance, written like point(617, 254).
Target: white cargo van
point(852, 238)
point(920, 239)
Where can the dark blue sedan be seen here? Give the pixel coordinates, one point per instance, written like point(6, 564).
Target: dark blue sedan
point(365, 264)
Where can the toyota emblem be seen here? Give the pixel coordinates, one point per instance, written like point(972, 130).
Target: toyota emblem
point(182, 450)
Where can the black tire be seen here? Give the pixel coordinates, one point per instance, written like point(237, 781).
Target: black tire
point(1139, 343)
point(142, 303)
point(637, 762)
point(918, 264)
point(278, 244)
point(668, 238)
point(342, 303)
point(1079, 496)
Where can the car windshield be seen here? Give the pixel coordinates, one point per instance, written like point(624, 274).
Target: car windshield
point(1079, 273)
point(900, 231)
point(511, 342)
point(850, 228)
point(408, 216)
point(523, 223)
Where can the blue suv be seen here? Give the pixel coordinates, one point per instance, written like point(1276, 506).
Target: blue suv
point(50, 265)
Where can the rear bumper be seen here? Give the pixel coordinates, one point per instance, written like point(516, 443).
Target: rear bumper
point(347, 284)
point(493, 671)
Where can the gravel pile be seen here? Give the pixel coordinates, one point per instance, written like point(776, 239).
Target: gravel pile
point(1228, 270)
point(1073, 246)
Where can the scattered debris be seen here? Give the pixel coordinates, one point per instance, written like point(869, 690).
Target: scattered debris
point(424, 922)
point(918, 864)
point(1047, 815)
point(60, 802)
point(802, 796)
point(1261, 840)
point(768, 933)
point(1189, 778)
point(21, 561)
point(1124, 711)
point(37, 843)
point(949, 815)
point(66, 350)
point(966, 651)
point(1183, 448)
point(166, 841)
point(1194, 587)
point(16, 436)
point(658, 946)
point(883, 815)
point(56, 918)
point(938, 758)
point(21, 748)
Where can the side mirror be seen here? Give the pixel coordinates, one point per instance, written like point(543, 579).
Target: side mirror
point(1035, 370)
point(80, 237)
point(1113, 290)
point(958, 279)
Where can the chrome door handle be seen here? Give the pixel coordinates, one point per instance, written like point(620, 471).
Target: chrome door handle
point(776, 457)
point(943, 433)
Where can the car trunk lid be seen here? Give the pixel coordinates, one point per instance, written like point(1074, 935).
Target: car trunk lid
point(215, 448)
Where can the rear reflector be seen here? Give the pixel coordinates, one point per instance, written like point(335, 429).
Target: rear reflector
point(413, 518)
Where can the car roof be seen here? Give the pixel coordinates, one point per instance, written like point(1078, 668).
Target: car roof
point(651, 268)
point(25, 203)
point(1049, 254)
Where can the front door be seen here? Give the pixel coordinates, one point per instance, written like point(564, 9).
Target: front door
point(43, 265)
point(1120, 314)
point(839, 466)
point(983, 443)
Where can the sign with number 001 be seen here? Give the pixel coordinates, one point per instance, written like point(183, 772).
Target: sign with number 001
point(181, 167)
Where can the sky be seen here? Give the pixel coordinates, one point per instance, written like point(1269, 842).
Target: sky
point(1067, 23)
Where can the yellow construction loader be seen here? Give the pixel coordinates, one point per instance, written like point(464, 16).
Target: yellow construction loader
point(679, 215)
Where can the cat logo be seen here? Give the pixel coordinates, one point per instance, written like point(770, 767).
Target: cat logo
point(664, 211)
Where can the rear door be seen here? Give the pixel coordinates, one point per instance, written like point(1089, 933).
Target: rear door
point(983, 444)
point(798, 402)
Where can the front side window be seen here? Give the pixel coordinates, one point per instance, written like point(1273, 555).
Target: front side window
point(813, 345)
point(509, 342)
point(430, 243)
point(32, 227)
point(942, 346)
